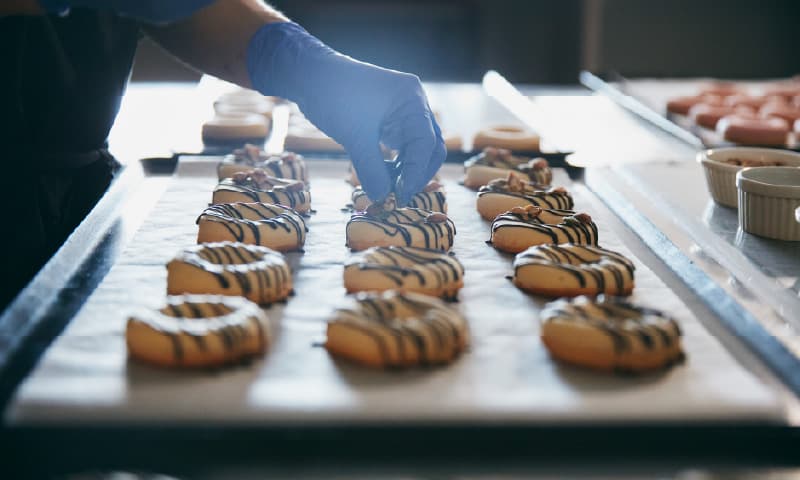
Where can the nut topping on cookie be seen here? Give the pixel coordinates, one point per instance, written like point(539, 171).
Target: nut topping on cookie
point(289, 157)
point(515, 183)
point(295, 186)
point(497, 153)
point(240, 178)
point(432, 186)
point(528, 211)
point(374, 210)
point(518, 210)
point(538, 163)
point(436, 217)
point(377, 209)
point(533, 210)
point(250, 152)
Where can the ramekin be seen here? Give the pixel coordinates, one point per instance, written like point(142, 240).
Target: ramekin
point(721, 176)
point(768, 200)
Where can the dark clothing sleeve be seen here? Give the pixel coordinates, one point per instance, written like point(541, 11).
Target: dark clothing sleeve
point(60, 89)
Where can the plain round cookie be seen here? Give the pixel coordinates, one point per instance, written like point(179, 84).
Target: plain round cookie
point(405, 227)
point(495, 163)
point(408, 269)
point(195, 331)
point(236, 128)
point(257, 273)
point(502, 195)
point(396, 330)
point(286, 165)
point(258, 186)
point(506, 136)
point(569, 270)
point(610, 334)
point(524, 227)
point(272, 226)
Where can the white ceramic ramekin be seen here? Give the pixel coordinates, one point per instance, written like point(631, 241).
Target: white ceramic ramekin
point(721, 176)
point(768, 199)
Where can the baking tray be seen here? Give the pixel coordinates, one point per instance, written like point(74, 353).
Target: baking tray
point(647, 98)
point(506, 378)
point(556, 159)
point(211, 87)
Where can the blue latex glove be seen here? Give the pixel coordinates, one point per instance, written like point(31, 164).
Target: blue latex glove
point(150, 11)
point(359, 105)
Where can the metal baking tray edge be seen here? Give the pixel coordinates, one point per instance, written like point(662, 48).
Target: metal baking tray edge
point(774, 354)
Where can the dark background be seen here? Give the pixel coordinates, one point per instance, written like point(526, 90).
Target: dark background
point(546, 41)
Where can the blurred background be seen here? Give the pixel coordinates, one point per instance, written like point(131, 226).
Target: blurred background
point(545, 41)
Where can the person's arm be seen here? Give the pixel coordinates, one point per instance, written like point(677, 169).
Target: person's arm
point(20, 7)
point(150, 11)
point(215, 38)
point(359, 105)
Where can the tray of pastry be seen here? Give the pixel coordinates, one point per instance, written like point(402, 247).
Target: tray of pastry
point(241, 116)
point(488, 366)
point(711, 113)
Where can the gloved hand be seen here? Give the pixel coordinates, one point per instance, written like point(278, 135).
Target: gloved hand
point(150, 11)
point(359, 105)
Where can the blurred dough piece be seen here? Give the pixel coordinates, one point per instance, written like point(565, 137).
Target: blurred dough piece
point(236, 128)
point(707, 115)
point(236, 105)
point(682, 105)
point(506, 136)
point(780, 110)
point(754, 131)
point(453, 142)
point(352, 176)
point(304, 136)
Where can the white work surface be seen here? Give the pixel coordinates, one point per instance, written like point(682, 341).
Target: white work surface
point(506, 377)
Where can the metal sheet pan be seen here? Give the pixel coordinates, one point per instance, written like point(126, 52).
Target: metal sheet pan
point(648, 98)
point(506, 378)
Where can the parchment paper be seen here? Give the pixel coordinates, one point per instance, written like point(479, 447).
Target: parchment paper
point(506, 377)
